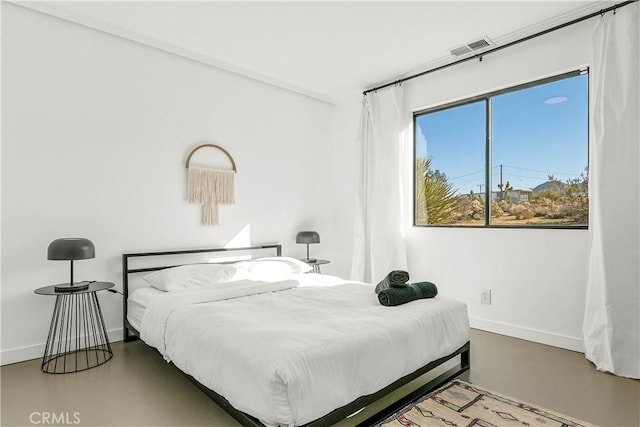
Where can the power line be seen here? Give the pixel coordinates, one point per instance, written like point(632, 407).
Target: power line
point(468, 174)
point(470, 180)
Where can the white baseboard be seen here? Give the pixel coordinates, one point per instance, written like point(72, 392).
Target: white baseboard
point(36, 351)
point(535, 335)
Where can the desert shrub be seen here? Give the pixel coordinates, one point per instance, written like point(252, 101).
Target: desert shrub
point(526, 214)
point(467, 210)
point(541, 210)
point(576, 201)
point(557, 212)
point(543, 201)
point(496, 210)
point(522, 211)
point(478, 209)
point(580, 213)
point(550, 196)
point(463, 211)
point(513, 208)
point(504, 206)
point(576, 211)
point(569, 202)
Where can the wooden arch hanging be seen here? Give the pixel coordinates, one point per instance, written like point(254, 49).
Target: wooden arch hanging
point(211, 187)
point(233, 162)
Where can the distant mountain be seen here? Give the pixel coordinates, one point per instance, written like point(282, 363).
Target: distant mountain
point(553, 186)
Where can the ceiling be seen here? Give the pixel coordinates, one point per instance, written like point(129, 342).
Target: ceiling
point(324, 49)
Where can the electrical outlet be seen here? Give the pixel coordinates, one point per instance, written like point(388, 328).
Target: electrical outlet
point(485, 296)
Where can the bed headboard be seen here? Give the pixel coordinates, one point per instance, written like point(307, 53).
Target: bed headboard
point(154, 261)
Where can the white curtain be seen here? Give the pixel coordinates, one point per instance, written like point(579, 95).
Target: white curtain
point(612, 312)
point(379, 244)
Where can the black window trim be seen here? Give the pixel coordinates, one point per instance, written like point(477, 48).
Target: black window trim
point(488, 153)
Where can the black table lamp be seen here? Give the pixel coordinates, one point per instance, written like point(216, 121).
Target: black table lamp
point(308, 237)
point(70, 249)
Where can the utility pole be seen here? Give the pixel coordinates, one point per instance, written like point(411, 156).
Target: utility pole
point(480, 186)
point(501, 187)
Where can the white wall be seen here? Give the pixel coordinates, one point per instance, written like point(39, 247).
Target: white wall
point(537, 276)
point(95, 131)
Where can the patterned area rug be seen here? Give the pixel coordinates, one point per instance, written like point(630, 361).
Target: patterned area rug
point(458, 404)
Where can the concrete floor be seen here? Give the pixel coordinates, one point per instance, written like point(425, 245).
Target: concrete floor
point(137, 388)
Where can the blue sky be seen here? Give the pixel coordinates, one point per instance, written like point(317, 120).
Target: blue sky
point(537, 132)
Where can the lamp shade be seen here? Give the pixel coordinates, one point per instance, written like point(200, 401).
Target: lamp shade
point(308, 237)
point(70, 249)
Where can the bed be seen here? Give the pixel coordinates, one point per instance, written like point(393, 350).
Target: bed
point(295, 349)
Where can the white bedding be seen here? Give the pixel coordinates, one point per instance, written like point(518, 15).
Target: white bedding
point(289, 355)
point(141, 297)
point(137, 303)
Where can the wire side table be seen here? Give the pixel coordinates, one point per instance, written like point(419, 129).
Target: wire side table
point(315, 263)
point(77, 338)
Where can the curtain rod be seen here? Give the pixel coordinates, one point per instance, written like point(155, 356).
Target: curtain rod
point(497, 48)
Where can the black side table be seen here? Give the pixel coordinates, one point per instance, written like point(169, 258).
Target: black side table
point(77, 336)
point(315, 263)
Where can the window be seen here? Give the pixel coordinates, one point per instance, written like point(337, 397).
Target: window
point(513, 158)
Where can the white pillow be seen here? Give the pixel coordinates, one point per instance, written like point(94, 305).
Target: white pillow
point(190, 276)
point(270, 268)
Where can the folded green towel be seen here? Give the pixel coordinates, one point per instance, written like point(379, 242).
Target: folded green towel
point(414, 291)
point(396, 279)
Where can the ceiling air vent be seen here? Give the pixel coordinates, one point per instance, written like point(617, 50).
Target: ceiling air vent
point(459, 51)
point(471, 46)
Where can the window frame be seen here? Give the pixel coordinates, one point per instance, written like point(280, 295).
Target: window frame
point(486, 98)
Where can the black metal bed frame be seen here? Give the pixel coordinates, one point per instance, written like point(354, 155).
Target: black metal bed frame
point(131, 334)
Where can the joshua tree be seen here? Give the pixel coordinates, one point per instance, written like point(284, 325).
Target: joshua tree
point(506, 186)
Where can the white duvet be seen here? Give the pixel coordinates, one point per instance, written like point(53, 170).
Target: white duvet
point(287, 353)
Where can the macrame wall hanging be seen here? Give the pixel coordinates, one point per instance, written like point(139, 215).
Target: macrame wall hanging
point(211, 187)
